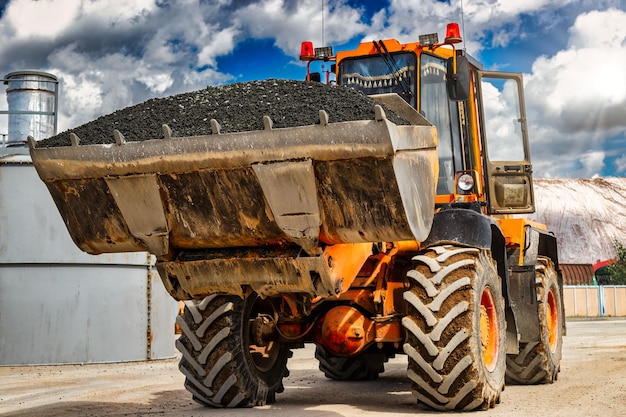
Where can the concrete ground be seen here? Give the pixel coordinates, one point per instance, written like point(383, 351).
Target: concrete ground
point(592, 383)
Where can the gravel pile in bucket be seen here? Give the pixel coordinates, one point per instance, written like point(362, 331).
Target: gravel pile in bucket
point(236, 107)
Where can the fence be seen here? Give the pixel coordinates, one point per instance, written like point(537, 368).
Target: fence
point(594, 301)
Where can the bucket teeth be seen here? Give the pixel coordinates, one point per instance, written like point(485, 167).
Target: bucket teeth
point(31, 142)
point(379, 113)
point(323, 118)
point(119, 138)
point(74, 139)
point(167, 132)
point(215, 127)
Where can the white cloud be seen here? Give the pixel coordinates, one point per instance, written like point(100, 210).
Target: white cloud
point(46, 18)
point(220, 42)
point(51, 19)
point(599, 29)
point(577, 97)
point(620, 164)
point(582, 88)
point(117, 12)
point(111, 54)
point(406, 20)
point(592, 163)
point(156, 82)
point(80, 96)
point(290, 23)
point(95, 86)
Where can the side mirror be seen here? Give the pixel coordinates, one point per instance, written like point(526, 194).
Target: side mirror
point(458, 82)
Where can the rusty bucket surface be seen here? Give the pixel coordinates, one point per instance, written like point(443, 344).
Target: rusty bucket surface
point(347, 182)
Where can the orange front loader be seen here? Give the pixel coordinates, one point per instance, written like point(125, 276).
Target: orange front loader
point(369, 238)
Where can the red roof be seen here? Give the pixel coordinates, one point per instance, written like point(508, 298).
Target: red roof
point(600, 264)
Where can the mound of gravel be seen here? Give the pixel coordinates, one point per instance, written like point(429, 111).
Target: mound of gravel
point(237, 107)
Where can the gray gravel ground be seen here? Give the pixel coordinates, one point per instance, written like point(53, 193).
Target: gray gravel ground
point(592, 383)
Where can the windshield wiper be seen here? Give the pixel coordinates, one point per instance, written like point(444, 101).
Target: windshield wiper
point(393, 68)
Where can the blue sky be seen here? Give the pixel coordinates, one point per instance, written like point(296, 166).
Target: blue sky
point(109, 54)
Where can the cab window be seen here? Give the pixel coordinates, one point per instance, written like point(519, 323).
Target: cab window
point(444, 114)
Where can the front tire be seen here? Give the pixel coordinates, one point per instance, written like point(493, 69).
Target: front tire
point(540, 362)
point(455, 329)
point(222, 366)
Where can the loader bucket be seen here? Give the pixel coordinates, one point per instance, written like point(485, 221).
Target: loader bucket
point(347, 182)
point(329, 183)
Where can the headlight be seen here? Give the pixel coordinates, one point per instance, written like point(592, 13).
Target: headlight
point(465, 182)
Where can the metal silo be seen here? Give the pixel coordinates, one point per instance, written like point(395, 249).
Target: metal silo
point(33, 101)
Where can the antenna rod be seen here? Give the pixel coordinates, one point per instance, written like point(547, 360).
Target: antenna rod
point(463, 26)
point(323, 41)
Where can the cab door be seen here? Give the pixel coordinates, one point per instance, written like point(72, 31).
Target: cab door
point(505, 142)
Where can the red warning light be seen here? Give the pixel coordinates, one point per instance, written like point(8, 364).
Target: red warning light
point(306, 51)
point(453, 34)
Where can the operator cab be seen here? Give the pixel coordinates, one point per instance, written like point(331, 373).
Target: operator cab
point(421, 78)
point(483, 149)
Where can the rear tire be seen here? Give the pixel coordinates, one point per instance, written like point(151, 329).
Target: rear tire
point(365, 366)
point(540, 362)
point(455, 329)
point(222, 367)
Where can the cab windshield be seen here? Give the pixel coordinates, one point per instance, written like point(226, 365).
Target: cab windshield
point(380, 74)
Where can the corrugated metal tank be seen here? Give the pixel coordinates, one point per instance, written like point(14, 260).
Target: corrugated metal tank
point(32, 98)
point(59, 305)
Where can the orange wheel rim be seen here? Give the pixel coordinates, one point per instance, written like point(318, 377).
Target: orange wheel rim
point(552, 321)
point(489, 331)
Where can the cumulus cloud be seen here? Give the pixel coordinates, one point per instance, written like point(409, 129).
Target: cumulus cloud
point(289, 23)
point(620, 164)
point(111, 54)
point(592, 163)
point(498, 20)
point(48, 18)
point(577, 97)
